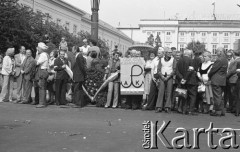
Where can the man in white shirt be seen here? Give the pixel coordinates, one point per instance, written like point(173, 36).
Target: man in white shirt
point(150, 105)
point(19, 58)
point(166, 70)
point(42, 74)
point(85, 48)
point(7, 72)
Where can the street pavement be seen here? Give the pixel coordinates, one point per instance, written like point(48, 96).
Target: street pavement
point(24, 128)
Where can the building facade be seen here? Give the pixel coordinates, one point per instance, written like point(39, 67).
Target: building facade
point(178, 33)
point(76, 20)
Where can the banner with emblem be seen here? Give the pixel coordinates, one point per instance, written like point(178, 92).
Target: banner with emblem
point(132, 78)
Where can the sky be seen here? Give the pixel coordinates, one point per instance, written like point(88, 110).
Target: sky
point(129, 12)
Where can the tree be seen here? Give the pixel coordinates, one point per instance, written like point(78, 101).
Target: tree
point(197, 47)
point(150, 40)
point(21, 26)
point(158, 41)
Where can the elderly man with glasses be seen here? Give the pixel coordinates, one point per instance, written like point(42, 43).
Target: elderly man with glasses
point(166, 70)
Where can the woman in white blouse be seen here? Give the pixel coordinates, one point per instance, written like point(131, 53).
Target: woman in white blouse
point(148, 76)
point(205, 89)
point(7, 72)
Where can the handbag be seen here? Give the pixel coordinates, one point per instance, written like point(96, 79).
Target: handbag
point(180, 92)
point(201, 88)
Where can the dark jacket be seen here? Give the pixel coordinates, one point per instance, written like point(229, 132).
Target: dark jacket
point(218, 73)
point(232, 76)
point(183, 72)
point(29, 67)
point(61, 73)
point(79, 69)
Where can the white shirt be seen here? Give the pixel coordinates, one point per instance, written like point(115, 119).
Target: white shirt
point(167, 66)
point(43, 60)
point(155, 62)
point(22, 57)
point(7, 66)
point(85, 49)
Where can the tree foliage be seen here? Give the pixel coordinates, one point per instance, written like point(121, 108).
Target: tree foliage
point(196, 47)
point(21, 26)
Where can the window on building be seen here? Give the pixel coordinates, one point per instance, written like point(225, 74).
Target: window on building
point(168, 33)
point(214, 48)
point(225, 47)
point(181, 47)
point(67, 26)
point(225, 34)
point(237, 34)
point(158, 33)
point(74, 29)
point(204, 34)
point(181, 33)
point(192, 34)
point(214, 34)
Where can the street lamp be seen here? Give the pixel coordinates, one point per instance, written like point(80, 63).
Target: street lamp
point(94, 18)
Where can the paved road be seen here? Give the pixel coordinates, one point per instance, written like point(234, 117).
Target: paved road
point(23, 128)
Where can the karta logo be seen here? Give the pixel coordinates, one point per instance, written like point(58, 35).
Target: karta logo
point(153, 135)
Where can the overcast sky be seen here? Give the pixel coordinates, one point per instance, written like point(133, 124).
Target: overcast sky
point(129, 12)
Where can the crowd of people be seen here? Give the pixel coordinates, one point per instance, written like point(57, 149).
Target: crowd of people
point(184, 82)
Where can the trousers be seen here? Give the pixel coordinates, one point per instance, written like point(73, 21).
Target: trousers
point(113, 87)
point(7, 89)
point(61, 90)
point(27, 89)
point(218, 103)
point(165, 89)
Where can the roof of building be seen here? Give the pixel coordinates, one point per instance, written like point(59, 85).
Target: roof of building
point(69, 6)
point(87, 17)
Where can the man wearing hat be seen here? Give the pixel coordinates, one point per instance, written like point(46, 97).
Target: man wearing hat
point(85, 48)
point(7, 72)
point(42, 73)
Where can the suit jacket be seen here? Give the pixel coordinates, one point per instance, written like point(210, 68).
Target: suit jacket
point(17, 64)
point(61, 73)
point(183, 72)
point(218, 73)
point(28, 66)
point(79, 69)
point(232, 75)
